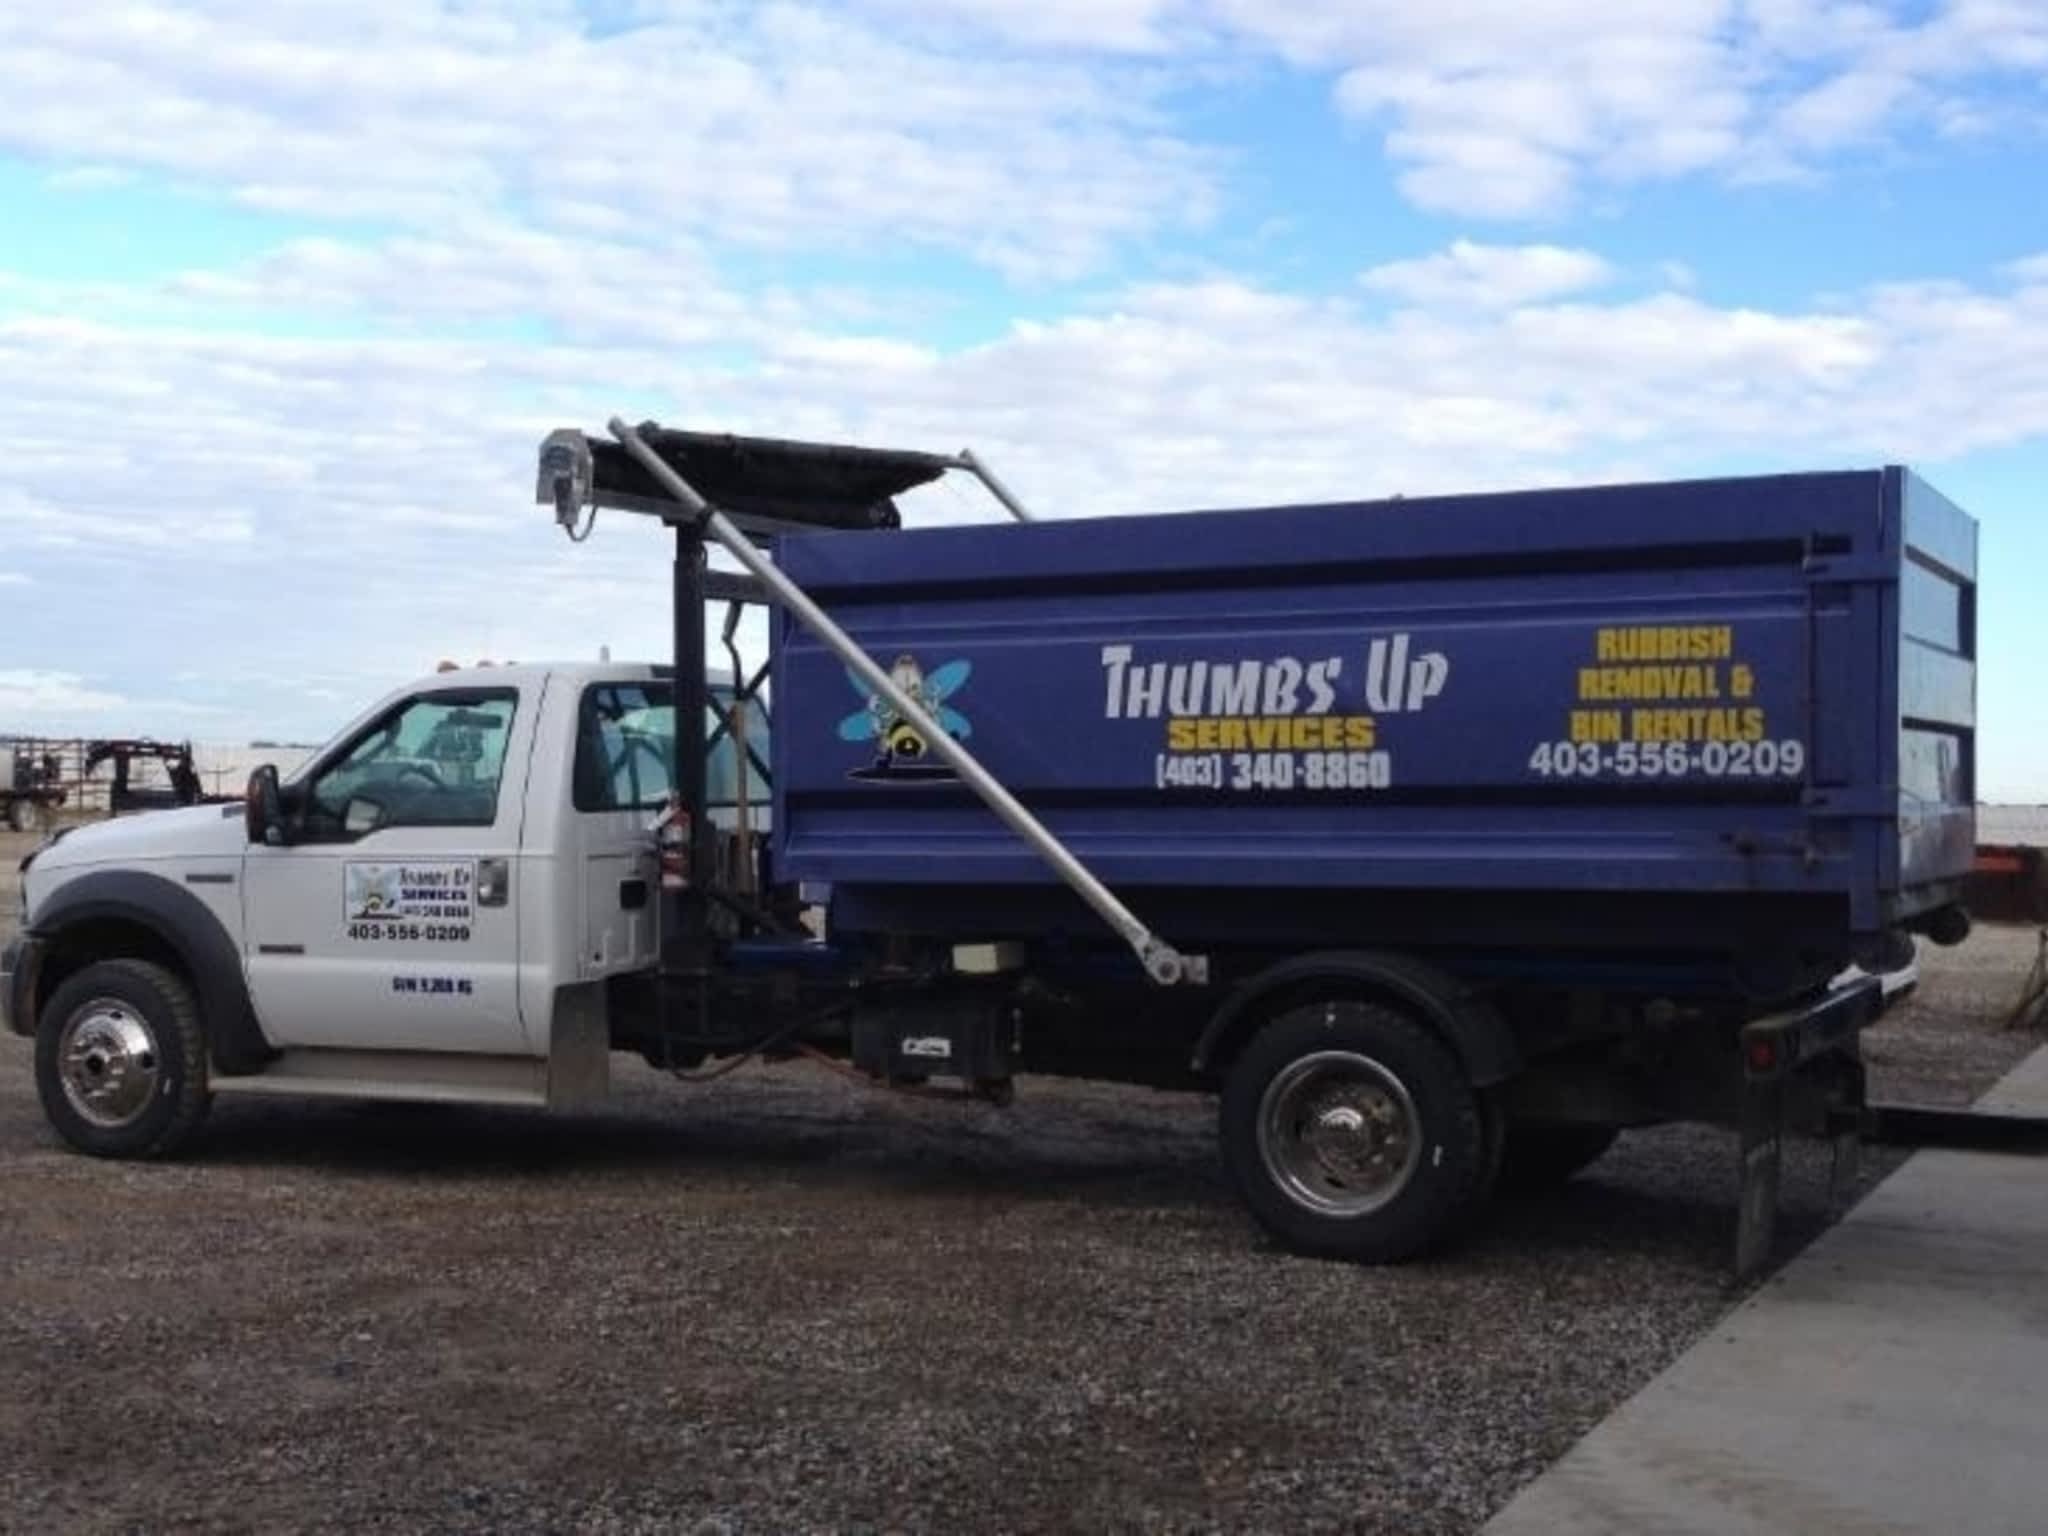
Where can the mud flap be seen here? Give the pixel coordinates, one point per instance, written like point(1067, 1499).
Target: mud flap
point(1763, 1160)
point(1774, 1049)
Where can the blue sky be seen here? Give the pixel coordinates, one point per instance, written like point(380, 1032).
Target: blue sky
point(288, 294)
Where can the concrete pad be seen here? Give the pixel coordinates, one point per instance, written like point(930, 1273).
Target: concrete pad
point(1892, 1379)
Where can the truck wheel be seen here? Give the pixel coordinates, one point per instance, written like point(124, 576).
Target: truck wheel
point(1352, 1131)
point(1540, 1157)
point(25, 816)
point(120, 1060)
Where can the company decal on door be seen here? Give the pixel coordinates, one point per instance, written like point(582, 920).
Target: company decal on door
point(427, 901)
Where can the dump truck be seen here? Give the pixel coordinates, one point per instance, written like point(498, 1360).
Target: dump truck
point(1439, 838)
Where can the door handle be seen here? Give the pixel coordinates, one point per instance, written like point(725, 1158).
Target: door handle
point(493, 882)
point(632, 894)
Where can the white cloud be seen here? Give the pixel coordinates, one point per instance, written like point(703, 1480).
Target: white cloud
point(33, 698)
point(1506, 108)
point(349, 511)
point(1489, 276)
point(12, 579)
point(899, 124)
point(38, 523)
point(558, 223)
point(1512, 108)
point(1134, 26)
point(652, 291)
point(774, 124)
point(1848, 108)
point(2030, 270)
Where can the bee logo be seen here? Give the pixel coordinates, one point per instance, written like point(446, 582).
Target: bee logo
point(372, 891)
point(901, 750)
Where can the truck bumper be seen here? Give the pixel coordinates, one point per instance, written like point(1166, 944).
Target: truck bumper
point(19, 963)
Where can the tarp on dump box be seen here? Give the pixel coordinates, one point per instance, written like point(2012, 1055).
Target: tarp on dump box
point(821, 484)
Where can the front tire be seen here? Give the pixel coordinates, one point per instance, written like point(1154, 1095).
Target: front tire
point(24, 815)
point(1352, 1131)
point(121, 1060)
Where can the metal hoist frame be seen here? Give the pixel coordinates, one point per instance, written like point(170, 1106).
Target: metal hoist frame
point(567, 480)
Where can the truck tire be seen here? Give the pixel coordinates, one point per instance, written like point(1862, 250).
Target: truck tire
point(121, 1060)
point(1540, 1157)
point(24, 815)
point(1352, 1131)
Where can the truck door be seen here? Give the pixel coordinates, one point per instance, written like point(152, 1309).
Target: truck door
point(625, 745)
point(625, 742)
point(390, 922)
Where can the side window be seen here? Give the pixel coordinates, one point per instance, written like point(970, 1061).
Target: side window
point(434, 761)
point(721, 781)
point(625, 741)
point(625, 744)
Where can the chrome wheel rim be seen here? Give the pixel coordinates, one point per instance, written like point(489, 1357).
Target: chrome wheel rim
point(1339, 1134)
point(108, 1063)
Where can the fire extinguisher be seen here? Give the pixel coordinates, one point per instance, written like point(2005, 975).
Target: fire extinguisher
point(672, 845)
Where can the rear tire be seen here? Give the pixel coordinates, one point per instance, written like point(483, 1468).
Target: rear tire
point(25, 815)
point(121, 1060)
point(1352, 1131)
point(1540, 1157)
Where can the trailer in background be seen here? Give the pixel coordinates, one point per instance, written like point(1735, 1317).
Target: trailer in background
point(32, 786)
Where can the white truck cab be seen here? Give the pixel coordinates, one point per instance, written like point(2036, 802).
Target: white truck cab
point(429, 910)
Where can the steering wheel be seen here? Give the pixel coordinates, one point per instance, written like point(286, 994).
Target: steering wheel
point(425, 771)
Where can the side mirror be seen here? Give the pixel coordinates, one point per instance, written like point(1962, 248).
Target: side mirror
point(361, 815)
point(263, 807)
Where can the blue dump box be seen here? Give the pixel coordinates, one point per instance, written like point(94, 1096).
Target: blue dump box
point(1730, 717)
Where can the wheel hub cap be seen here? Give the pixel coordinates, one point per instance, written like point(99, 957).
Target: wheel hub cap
point(107, 1060)
point(1339, 1133)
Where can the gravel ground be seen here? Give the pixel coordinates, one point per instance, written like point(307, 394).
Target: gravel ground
point(783, 1303)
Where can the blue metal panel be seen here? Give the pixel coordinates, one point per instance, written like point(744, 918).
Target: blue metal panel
point(1933, 722)
point(1638, 688)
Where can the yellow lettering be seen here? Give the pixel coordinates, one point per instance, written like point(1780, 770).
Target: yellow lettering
point(1653, 642)
point(1696, 725)
point(1272, 733)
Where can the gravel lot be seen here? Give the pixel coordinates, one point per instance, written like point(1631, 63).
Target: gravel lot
point(783, 1303)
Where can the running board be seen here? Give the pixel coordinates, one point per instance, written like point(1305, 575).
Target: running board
point(424, 1077)
point(575, 1074)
